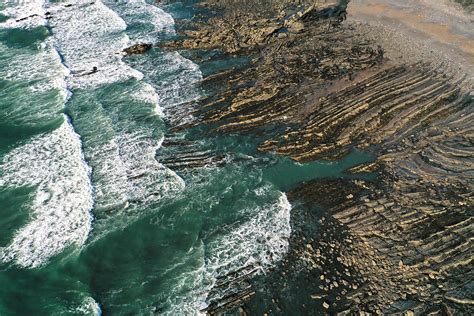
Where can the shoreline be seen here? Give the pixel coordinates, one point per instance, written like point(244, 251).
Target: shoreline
point(330, 85)
point(247, 157)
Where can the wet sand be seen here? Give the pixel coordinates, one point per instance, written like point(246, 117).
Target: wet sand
point(442, 30)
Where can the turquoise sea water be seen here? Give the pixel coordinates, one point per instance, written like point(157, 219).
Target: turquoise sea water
point(90, 221)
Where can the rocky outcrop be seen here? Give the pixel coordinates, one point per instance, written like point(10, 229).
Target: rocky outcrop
point(181, 155)
point(386, 107)
point(246, 26)
point(281, 83)
point(137, 49)
point(231, 290)
point(380, 250)
point(315, 87)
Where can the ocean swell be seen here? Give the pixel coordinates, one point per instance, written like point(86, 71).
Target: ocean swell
point(51, 162)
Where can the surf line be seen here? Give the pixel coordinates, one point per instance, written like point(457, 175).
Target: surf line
point(68, 120)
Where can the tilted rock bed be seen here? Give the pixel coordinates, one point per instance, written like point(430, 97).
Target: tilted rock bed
point(385, 108)
point(182, 155)
point(402, 244)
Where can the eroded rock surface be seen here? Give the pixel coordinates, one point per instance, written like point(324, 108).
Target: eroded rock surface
point(137, 49)
point(316, 87)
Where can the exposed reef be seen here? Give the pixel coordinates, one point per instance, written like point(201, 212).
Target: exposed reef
point(139, 48)
point(315, 87)
point(189, 156)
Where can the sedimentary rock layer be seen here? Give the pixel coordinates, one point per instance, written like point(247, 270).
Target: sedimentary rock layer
point(385, 108)
point(318, 87)
point(185, 155)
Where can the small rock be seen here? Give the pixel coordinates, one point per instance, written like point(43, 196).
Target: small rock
point(140, 48)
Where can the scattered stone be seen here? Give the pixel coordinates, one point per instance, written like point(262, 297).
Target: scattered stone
point(317, 296)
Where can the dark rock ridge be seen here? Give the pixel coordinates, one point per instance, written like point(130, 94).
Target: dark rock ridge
point(188, 156)
point(136, 49)
point(231, 291)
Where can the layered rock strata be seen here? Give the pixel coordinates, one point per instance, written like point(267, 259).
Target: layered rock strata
point(315, 87)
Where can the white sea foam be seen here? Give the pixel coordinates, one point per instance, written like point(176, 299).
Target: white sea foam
point(88, 307)
point(149, 179)
point(36, 90)
point(129, 172)
point(149, 95)
point(93, 35)
point(111, 184)
point(175, 79)
point(125, 168)
point(53, 164)
point(23, 14)
point(173, 76)
point(153, 20)
point(261, 241)
point(261, 191)
point(89, 34)
point(180, 79)
point(42, 67)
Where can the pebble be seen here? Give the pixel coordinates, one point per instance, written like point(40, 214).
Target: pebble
point(317, 296)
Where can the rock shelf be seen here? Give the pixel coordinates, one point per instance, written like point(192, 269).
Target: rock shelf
point(188, 155)
point(386, 107)
point(231, 290)
point(316, 86)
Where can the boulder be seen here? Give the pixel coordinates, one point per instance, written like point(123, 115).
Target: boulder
point(139, 48)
